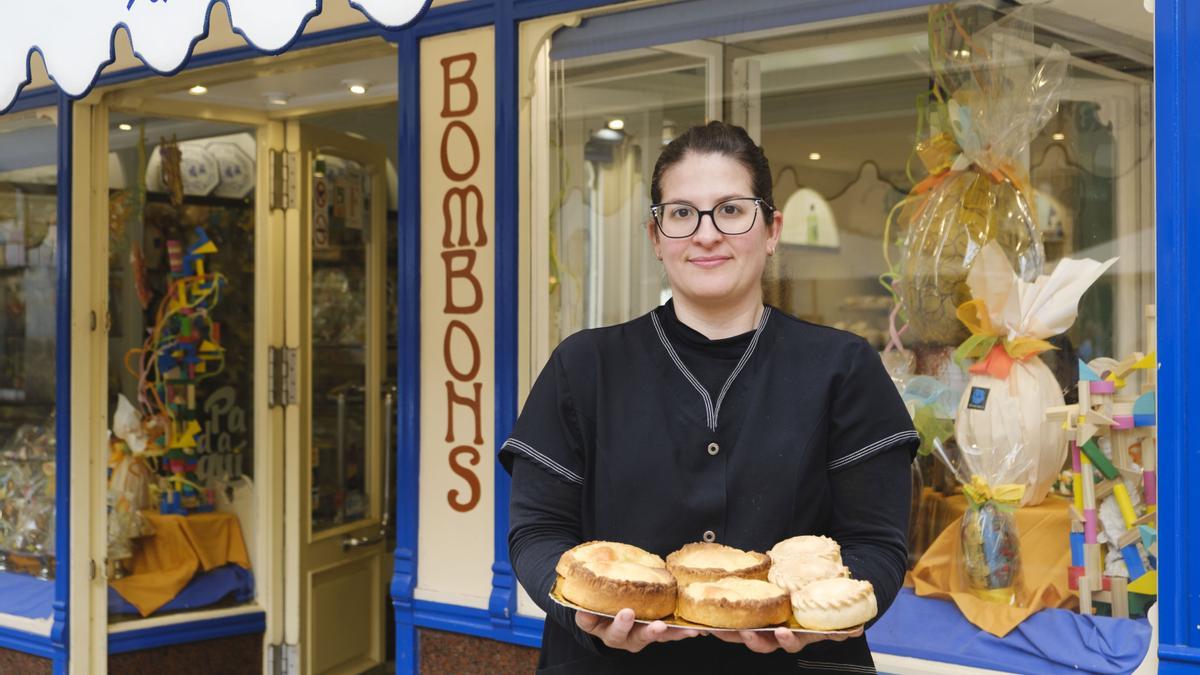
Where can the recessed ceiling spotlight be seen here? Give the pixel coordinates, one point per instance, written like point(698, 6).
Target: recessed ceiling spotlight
point(616, 124)
point(356, 87)
point(125, 127)
point(1058, 136)
point(277, 97)
point(610, 135)
point(198, 90)
point(814, 156)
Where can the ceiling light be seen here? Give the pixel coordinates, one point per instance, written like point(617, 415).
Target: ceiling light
point(357, 87)
point(814, 156)
point(277, 97)
point(355, 134)
point(198, 90)
point(1058, 136)
point(616, 124)
point(610, 135)
point(961, 53)
point(125, 127)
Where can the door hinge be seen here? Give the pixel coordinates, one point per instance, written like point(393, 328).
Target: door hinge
point(283, 179)
point(283, 659)
point(281, 376)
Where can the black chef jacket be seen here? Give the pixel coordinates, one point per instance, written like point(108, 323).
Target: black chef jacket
point(621, 421)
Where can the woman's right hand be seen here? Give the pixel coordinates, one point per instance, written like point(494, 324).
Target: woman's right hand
point(621, 632)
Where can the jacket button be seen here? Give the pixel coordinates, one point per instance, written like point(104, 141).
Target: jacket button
point(710, 536)
point(713, 448)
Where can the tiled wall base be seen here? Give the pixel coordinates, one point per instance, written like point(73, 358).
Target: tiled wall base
point(455, 654)
point(237, 655)
point(26, 664)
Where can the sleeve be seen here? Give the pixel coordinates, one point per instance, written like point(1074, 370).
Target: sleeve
point(547, 432)
point(870, 520)
point(867, 415)
point(544, 521)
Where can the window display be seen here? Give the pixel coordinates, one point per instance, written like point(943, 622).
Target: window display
point(181, 341)
point(28, 301)
point(967, 188)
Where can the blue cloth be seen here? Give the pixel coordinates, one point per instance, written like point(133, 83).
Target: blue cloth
point(206, 588)
point(1050, 641)
point(26, 596)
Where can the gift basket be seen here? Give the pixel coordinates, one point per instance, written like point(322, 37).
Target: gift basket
point(988, 102)
point(27, 474)
point(1001, 425)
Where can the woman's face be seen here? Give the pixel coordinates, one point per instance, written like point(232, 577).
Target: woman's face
point(711, 268)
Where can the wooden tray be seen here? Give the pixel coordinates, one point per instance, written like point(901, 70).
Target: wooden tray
point(677, 622)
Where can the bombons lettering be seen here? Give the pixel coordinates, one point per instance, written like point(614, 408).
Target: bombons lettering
point(464, 80)
point(466, 474)
point(464, 202)
point(466, 131)
point(472, 404)
point(448, 351)
point(465, 273)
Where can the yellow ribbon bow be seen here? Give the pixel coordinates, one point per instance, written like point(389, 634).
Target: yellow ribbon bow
point(979, 492)
point(994, 352)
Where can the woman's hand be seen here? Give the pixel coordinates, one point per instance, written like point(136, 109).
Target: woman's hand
point(765, 643)
point(622, 633)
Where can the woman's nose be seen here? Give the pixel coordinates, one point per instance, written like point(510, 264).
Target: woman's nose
point(707, 232)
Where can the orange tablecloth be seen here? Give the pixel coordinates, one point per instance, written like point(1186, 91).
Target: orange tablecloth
point(1045, 555)
point(181, 545)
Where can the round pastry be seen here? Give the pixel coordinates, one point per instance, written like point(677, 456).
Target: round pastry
point(834, 604)
point(792, 574)
point(734, 602)
point(610, 586)
point(710, 562)
point(806, 545)
point(606, 551)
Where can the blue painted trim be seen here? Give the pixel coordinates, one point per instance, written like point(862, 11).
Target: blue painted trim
point(183, 633)
point(456, 17)
point(502, 604)
point(59, 633)
point(408, 352)
point(1185, 658)
point(1177, 100)
point(523, 631)
point(42, 97)
point(28, 643)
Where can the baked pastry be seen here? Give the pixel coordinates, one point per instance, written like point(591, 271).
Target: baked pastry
point(792, 574)
point(606, 551)
point(710, 562)
point(609, 587)
point(606, 577)
point(834, 604)
point(734, 602)
point(806, 545)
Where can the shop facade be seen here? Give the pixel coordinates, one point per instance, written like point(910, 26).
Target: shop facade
point(380, 234)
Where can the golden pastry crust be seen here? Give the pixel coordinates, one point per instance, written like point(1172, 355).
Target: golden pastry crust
point(806, 545)
point(792, 574)
point(702, 561)
point(608, 587)
point(606, 551)
point(734, 602)
point(834, 604)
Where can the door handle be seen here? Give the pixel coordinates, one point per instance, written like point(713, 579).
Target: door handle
point(349, 543)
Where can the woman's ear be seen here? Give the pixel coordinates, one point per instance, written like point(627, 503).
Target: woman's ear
point(774, 231)
point(652, 235)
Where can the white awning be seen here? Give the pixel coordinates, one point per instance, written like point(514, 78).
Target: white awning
point(75, 37)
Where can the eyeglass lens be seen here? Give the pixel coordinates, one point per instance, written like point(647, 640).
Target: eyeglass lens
point(679, 220)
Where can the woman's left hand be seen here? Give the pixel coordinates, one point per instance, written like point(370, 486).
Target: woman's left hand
point(765, 643)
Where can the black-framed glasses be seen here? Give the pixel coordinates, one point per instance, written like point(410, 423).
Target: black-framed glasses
point(679, 220)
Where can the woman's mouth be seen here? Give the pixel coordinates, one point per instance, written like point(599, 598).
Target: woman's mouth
point(709, 261)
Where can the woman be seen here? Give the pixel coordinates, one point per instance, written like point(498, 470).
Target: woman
point(711, 418)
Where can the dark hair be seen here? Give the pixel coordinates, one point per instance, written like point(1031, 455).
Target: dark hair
point(716, 138)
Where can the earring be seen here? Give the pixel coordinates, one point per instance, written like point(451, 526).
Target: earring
point(658, 255)
point(771, 251)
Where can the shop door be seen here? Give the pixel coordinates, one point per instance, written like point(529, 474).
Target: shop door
point(335, 579)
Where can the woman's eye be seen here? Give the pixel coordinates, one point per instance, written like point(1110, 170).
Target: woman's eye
point(682, 212)
point(731, 209)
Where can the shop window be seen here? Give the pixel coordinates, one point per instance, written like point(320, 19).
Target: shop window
point(182, 287)
point(28, 302)
point(839, 109)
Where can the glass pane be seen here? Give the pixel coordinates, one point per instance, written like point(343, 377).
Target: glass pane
point(856, 122)
point(28, 301)
point(182, 276)
point(340, 218)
